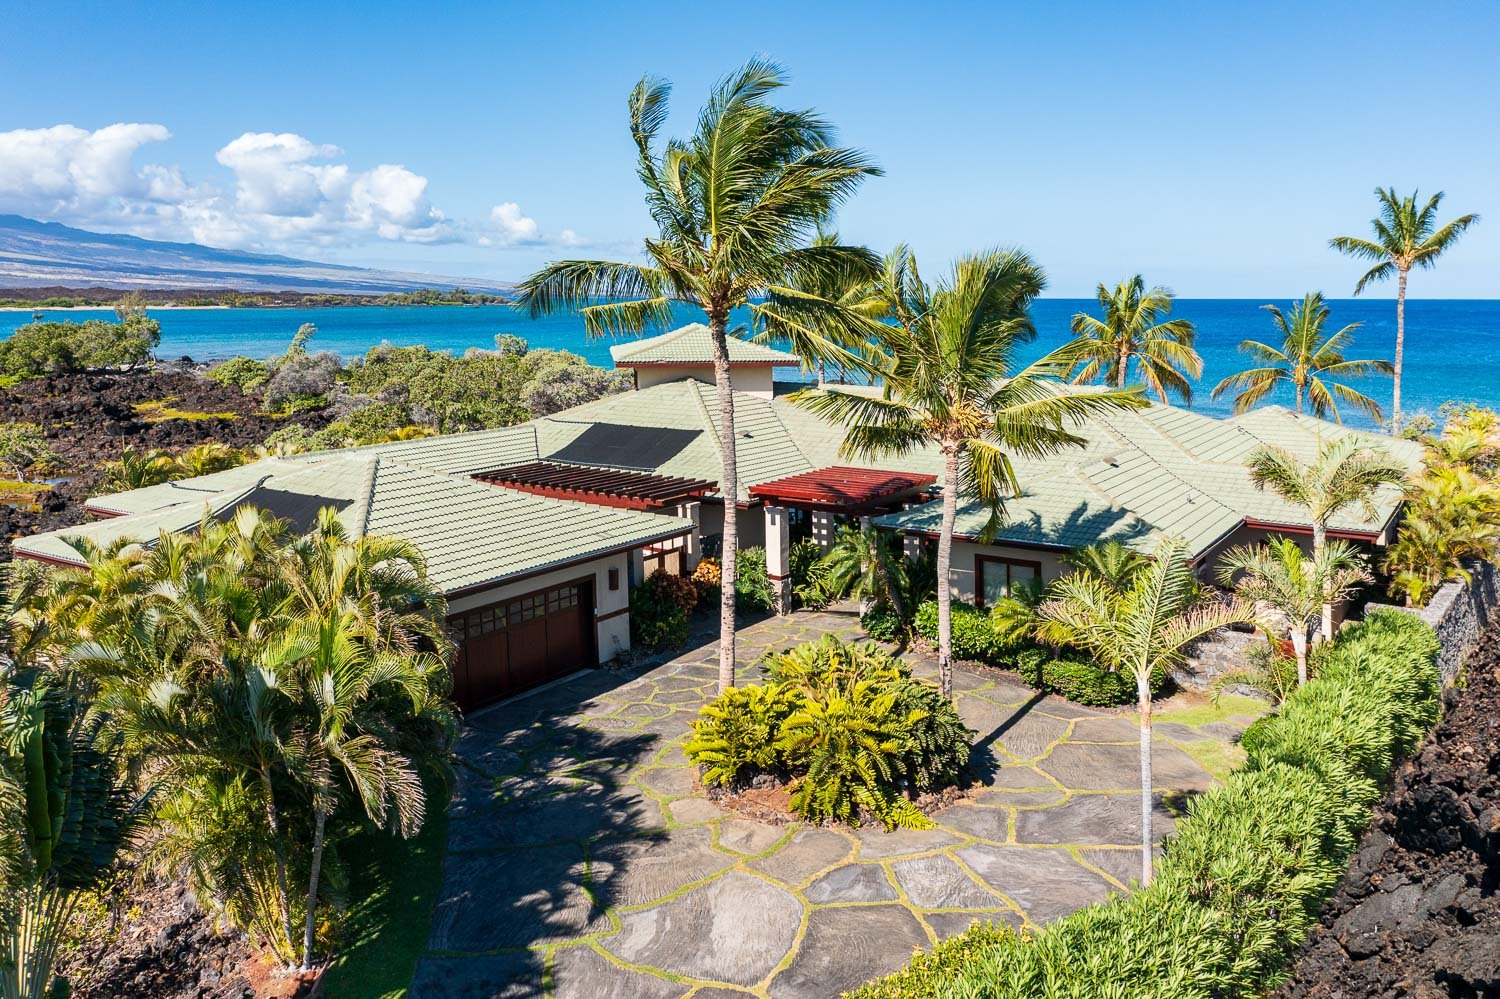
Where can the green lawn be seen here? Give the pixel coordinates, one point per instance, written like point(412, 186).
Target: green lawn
point(394, 883)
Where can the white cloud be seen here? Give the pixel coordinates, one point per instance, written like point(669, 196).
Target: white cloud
point(286, 191)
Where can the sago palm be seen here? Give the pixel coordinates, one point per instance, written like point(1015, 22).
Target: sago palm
point(735, 205)
point(951, 382)
point(1306, 361)
point(1345, 473)
point(1405, 236)
point(1111, 561)
point(1292, 585)
point(867, 564)
point(1137, 334)
point(1141, 630)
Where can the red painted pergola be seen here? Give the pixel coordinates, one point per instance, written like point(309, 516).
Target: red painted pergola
point(602, 486)
point(840, 488)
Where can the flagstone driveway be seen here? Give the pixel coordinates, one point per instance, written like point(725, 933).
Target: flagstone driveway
point(584, 861)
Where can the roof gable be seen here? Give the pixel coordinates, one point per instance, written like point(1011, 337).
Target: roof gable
point(693, 344)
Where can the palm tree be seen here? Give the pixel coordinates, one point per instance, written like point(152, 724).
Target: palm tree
point(1143, 630)
point(1279, 575)
point(1110, 561)
point(947, 365)
point(1405, 237)
point(852, 288)
point(139, 469)
point(868, 564)
point(1452, 515)
point(207, 458)
point(257, 675)
point(734, 206)
point(1305, 360)
point(1135, 329)
point(1346, 473)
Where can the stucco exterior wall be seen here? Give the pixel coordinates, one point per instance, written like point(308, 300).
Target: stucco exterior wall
point(611, 607)
point(965, 553)
point(751, 524)
point(752, 378)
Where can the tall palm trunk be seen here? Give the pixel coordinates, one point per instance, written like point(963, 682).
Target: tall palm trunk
point(279, 847)
point(1122, 364)
point(729, 488)
point(1400, 346)
point(1143, 702)
point(944, 565)
point(1320, 541)
point(320, 816)
point(1301, 387)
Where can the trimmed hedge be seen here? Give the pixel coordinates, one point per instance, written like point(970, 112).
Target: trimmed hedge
point(1070, 674)
point(1244, 877)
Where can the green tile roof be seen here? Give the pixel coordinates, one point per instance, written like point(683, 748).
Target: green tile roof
point(693, 344)
point(472, 534)
point(1155, 472)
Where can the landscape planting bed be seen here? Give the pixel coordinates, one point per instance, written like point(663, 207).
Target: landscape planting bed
point(1418, 912)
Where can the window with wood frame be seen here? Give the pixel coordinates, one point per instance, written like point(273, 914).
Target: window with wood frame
point(995, 577)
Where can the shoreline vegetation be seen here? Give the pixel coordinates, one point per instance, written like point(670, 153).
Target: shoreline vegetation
point(60, 298)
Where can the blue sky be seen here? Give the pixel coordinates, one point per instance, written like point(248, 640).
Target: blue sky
point(1213, 148)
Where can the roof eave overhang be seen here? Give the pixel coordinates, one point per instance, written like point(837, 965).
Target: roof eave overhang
point(1341, 533)
point(627, 363)
point(489, 584)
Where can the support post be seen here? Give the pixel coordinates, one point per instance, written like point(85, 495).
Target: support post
point(637, 569)
point(911, 544)
point(778, 562)
point(823, 529)
point(692, 545)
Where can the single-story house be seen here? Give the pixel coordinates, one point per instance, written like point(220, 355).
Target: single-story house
point(536, 532)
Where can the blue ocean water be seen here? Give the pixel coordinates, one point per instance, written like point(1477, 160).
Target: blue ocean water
point(1452, 347)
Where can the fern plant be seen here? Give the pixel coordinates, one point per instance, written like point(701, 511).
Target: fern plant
point(736, 736)
point(852, 742)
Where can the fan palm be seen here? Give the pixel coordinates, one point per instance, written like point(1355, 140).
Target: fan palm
point(1406, 236)
point(1135, 331)
point(1281, 576)
point(1345, 473)
point(1306, 361)
point(1141, 630)
point(950, 383)
point(734, 206)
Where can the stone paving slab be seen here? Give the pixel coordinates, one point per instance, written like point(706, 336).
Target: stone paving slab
point(584, 854)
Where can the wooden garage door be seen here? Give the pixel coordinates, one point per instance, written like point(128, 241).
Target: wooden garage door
point(516, 644)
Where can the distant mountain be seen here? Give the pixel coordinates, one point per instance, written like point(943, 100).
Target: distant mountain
point(37, 254)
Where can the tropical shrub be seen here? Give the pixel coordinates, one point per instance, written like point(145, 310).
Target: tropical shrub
point(752, 583)
point(1085, 682)
point(846, 726)
point(301, 379)
point(1248, 870)
point(736, 736)
point(39, 348)
point(1452, 516)
point(706, 577)
point(244, 373)
point(678, 589)
point(24, 450)
point(883, 624)
point(973, 637)
point(282, 692)
point(808, 574)
point(657, 617)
